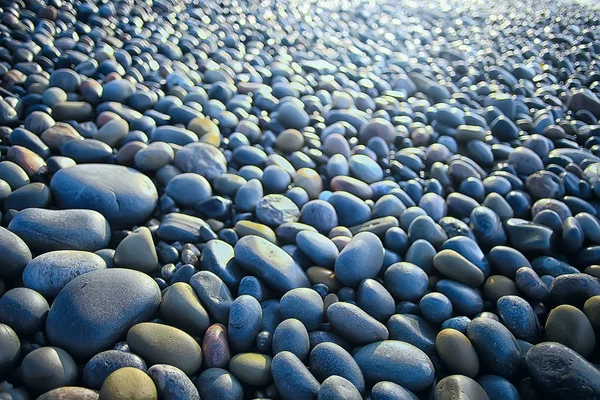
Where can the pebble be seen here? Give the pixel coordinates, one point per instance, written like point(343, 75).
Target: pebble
point(11, 349)
point(389, 390)
point(459, 387)
point(520, 319)
point(181, 307)
point(48, 368)
point(220, 384)
point(498, 388)
point(128, 383)
point(354, 324)
point(275, 209)
point(147, 339)
point(48, 230)
point(273, 265)
point(329, 359)
point(213, 294)
point(87, 315)
point(412, 329)
point(252, 368)
point(292, 379)
point(24, 310)
point(457, 353)
point(48, 273)
point(137, 251)
point(560, 371)
point(406, 281)
point(188, 189)
point(569, 326)
point(303, 304)
point(215, 347)
point(172, 383)
point(70, 392)
point(14, 254)
point(215, 138)
point(99, 367)
point(245, 317)
point(496, 347)
point(124, 196)
point(365, 250)
point(397, 362)
point(456, 267)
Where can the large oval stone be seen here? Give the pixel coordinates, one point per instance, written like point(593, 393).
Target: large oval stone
point(123, 195)
point(93, 311)
point(48, 230)
point(48, 273)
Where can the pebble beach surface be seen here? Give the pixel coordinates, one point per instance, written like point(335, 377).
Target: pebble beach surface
point(329, 200)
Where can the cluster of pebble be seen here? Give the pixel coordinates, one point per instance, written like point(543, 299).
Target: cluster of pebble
point(244, 199)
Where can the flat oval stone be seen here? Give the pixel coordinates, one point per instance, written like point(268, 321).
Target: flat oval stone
point(217, 383)
point(360, 259)
point(457, 352)
point(395, 361)
point(48, 230)
point(149, 341)
point(172, 383)
point(292, 379)
point(270, 263)
point(498, 388)
point(96, 309)
point(459, 387)
point(99, 367)
point(48, 273)
point(123, 195)
point(497, 348)
point(507, 260)
point(355, 325)
point(569, 326)
point(14, 254)
point(562, 372)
